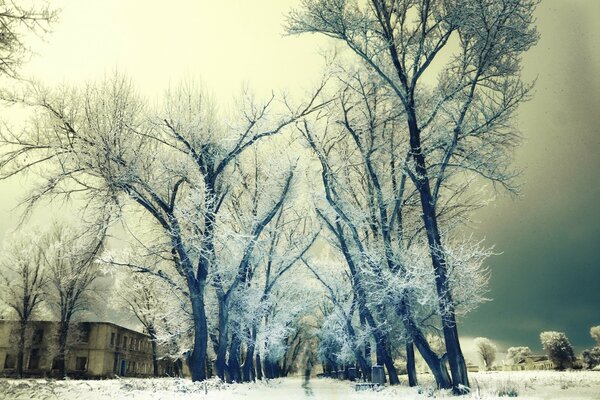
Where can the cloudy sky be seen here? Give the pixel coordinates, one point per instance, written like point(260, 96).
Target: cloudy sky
point(548, 275)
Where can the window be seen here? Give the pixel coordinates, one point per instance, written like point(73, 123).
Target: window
point(38, 336)
point(125, 342)
point(131, 344)
point(112, 339)
point(118, 340)
point(10, 361)
point(80, 363)
point(84, 332)
point(34, 359)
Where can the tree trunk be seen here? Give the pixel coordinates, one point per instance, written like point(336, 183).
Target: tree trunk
point(197, 360)
point(435, 364)
point(410, 364)
point(154, 358)
point(384, 358)
point(259, 369)
point(21, 348)
point(234, 357)
point(221, 364)
point(458, 367)
point(248, 373)
point(63, 335)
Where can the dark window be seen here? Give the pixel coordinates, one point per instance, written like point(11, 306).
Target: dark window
point(38, 336)
point(112, 339)
point(80, 363)
point(125, 342)
point(84, 334)
point(118, 340)
point(131, 344)
point(10, 361)
point(34, 359)
point(115, 363)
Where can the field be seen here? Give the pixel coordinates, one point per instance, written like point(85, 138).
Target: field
point(492, 385)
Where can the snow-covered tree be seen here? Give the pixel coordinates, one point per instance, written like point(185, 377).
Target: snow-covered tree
point(71, 266)
point(176, 164)
point(455, 126)
point(591, 357)
point(558, 347)
point(518, 354)
point(371, 214)
point(23, 282)
point(156, 306)
point(487, 351)
point(17, 19)
point(595, 333)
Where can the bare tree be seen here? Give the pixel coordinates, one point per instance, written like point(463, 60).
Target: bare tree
point(71, 265)
point(16, 21)
point(147, 298)
point(486, 350)
point(462, 122)
point(23, 281)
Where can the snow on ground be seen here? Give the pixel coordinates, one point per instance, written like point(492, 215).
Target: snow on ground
point(490, 385)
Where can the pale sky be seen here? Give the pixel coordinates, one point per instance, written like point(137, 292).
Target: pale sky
point(547, 277)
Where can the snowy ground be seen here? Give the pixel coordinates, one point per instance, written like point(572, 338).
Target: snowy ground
point(528, 385)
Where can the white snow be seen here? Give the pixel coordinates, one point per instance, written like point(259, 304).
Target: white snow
point(528, 385)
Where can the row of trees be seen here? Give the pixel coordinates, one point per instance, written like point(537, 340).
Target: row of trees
point(398, 152)
point(222, 212)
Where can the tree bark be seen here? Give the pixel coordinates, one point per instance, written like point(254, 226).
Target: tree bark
point(248, 372)
point(410, 364)
point(21, 348)
point(435, 364)
point(458, 367)
point(221, 364)
point(197, 360)
point(234, 357)
point(259, 369)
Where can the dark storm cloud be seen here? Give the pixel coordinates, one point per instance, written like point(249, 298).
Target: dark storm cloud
point(548, 277)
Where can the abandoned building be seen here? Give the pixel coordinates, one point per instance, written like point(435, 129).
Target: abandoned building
point(96, 349)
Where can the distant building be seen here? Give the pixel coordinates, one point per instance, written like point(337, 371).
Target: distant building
point(96, 349)
point(531, 363)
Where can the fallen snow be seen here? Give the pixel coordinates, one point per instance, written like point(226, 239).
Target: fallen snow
point(528, 385)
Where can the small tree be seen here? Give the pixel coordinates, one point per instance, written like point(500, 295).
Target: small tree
point(595, 333)
point(487, 351)
point(518, 354)
point(22, 281)
point(559, 350)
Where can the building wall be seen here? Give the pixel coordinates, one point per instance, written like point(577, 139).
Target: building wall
point(105, 350)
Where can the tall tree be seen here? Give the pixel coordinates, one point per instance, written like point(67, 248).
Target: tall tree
point(462, 121)
point(23, 283)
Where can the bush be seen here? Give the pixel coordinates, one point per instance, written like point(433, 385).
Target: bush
point(508, 389)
